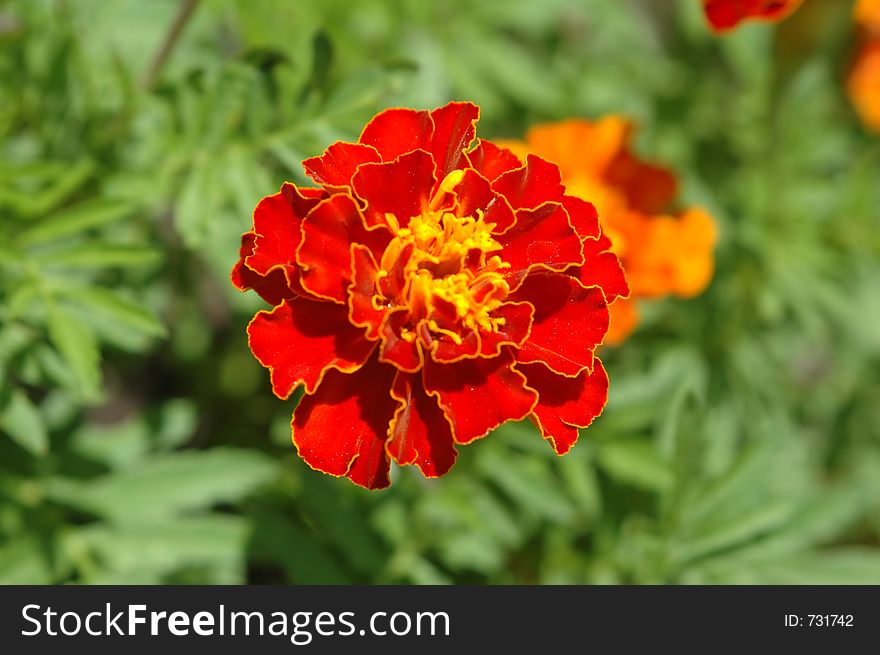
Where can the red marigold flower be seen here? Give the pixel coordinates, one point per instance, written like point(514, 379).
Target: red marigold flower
point(661, 254)
point(724, 15)
point(425, 293)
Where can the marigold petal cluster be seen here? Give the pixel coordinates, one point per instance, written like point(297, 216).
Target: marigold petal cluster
point(425, 291)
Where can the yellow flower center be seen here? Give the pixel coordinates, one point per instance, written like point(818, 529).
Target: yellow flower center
point(447, 267)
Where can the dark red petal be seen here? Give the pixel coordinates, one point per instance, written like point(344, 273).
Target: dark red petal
point(273, 287)
point(570, 321)
point(602, 268)
point(648, 189)
point(343, 427)
point(542, 238)
point(454, 130)
point(362, 289)
point(517, 325)
point(301, 339)
point(401, 187)
point(420, 432)
point(491, 160)
point(566, 404)
point(583, 216)
point(532, 185)
point(478, 395)
point(474, 193)
point(339, 162)
point(405, 354)
point(324, 255)
point(397, 131)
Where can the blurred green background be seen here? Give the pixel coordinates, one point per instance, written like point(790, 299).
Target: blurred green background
point(140, 439)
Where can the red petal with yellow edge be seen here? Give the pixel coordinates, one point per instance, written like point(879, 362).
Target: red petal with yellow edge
point(420, 432)
point(474, 193)
point(401, 187)
point(396, 131)
point(404, 354)
point(583, 216)
point(343, 427)
point(602, 268)
point(514, 332)
point(277, 221)
point(532, 185)
point(273, 288)
point(454, 130)
point(362, 289)
point(491, 160)
point(478, 395)
point(543, 237)
point(570, 321)
point(300, 340)
point(327, 234)
point(566, 404)
point(339, 162)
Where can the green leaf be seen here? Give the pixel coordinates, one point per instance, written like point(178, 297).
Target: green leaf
point(117, 307)
point(637, 463)
point(21, 420)
point(22, 562)
point(98, 255)
point(147, 549)
point(164, 485)
point(78, 347)
point(82, 217)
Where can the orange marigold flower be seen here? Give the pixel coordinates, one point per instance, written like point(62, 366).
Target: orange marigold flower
point(425, 293)
point(724, 15)
point(867, 14)
point(662, 254)
point(863, 83)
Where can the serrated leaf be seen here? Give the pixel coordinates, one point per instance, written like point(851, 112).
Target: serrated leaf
point(21, 421)
point(78, 347)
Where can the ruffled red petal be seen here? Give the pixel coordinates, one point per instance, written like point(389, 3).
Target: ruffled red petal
point(602, 268)
point(277, 221)
point(420, 432)
point(583, 216)
point(570, 321)
point(394, 132)
point(325, 252)
point(404, 354)
point(300, 340)
point(531, 185)
point(343, 427)
point(475, 194)
point(339, 162)
point(541, 238)
point(273, 288)
point(362, 289)
point(514, 332)
point(566, 404)
point(454, 130)
point(478, 395)
point(401, 187)
point(491, 160)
